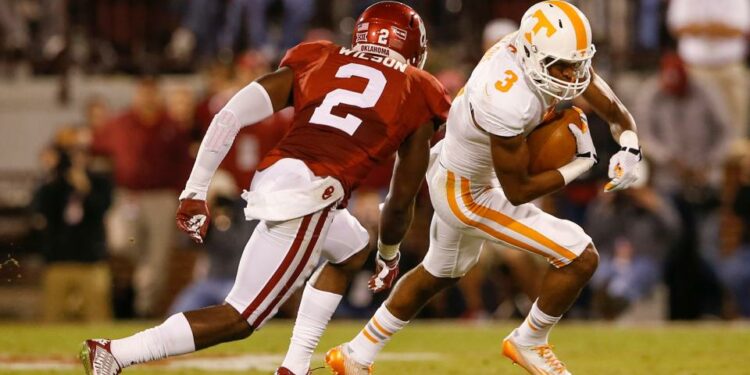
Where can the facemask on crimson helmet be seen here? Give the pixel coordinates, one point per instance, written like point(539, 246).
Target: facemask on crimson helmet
point(552, 32)
point(392, 29)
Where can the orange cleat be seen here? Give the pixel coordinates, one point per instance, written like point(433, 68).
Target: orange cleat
point(341, 363)
point(537, 360)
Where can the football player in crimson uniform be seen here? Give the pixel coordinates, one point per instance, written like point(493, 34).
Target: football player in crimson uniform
point(354, 106)
point(517, 81)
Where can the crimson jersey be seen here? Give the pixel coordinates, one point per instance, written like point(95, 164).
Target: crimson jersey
point(353, 110)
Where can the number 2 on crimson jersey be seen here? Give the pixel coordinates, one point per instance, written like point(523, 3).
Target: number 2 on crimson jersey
point(367, 99)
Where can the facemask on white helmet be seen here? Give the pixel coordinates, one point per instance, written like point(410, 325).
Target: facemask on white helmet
point(554, 32)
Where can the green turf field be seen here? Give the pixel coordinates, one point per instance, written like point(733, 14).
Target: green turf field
point(423, 348)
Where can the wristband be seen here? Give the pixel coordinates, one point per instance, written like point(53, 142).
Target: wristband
point(388, 252)
point(575, 168)
point(629, 139)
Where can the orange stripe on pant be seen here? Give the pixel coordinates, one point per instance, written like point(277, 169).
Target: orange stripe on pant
point(480, 210)
point(508, 222)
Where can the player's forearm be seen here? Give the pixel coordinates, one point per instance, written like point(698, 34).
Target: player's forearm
point(609, 107)
point(620, 120)
point(520, 191)
point(394, 222)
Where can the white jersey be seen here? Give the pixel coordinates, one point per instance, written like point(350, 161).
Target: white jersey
point(497, 100)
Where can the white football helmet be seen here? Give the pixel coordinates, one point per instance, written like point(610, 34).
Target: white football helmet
point(553, 31)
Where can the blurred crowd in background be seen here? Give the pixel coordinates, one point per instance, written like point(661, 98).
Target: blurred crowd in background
point(97, 240)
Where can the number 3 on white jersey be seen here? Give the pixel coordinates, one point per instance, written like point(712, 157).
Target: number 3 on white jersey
point(366, 99)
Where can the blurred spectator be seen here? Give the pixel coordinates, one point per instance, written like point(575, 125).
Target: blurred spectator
point(147, 150)
point(14, 32)
point(248, 66)
point(72, 202)
point(131, 34)
point(649, 24)
point(496, 30)
point(684, 129)
point(254, 13)
point(734, 264)
point(319, 33)
point(452, 79)
point(51, 29)
point(180, 107)
point(633, 229)
point(225, 242)
point(196, 36)
point(712, 41)
point(34, 29)
point(96, 115)
point(97, 112)
point(217, 78)
point(181, 110)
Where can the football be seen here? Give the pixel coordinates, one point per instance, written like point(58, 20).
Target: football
point(552, 145)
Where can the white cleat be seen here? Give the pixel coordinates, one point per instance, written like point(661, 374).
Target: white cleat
point(536, 359)
point(97, 358)
point(341, 363)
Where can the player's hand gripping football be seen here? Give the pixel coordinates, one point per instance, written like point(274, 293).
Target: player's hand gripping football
point(622, 168)
point(192, 218)
point(386, 272)
point(584, 144)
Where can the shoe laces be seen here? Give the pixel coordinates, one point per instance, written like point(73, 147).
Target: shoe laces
point(545, 351)
point(315, 369)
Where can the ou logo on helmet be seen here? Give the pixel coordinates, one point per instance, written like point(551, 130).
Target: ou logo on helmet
point(423, 35)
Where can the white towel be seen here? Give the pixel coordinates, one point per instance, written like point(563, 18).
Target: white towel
point(288, 204)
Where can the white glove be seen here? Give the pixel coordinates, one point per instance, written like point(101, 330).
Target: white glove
point(624, 164)
point(584, 144)
point(585, 154)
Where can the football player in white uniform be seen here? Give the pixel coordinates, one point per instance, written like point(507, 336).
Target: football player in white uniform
point(522, 77)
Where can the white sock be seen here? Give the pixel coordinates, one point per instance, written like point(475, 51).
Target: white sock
point(375, 335)
point(173, 337)
point(535, 329)
point(315, 311)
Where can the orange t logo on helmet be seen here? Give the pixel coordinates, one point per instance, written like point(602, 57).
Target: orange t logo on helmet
point(541, 23)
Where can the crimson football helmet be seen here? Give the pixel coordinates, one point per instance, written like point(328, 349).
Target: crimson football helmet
point(392, 29)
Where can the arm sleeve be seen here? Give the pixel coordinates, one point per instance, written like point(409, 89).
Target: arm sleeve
point(249, 106)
